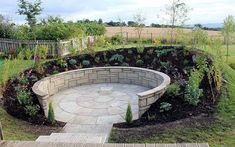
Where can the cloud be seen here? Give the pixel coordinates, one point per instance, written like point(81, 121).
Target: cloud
point(206, 11)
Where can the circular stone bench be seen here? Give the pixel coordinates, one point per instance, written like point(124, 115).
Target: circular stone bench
point(156, 81)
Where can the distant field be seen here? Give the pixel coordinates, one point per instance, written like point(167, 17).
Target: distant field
point(148, 32)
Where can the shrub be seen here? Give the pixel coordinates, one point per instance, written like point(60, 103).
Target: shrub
point(139, 63)
point(192, 91)
point(117, 58)
point(32, 110)
point(163, 52)
point(51, 114)
point(129, 115)
point(173, 90)
point(24, 97)
point(62, 63)
point(38, 65)
point(20, 55)
point(86, 63)
point(23, 80)
point(72, 62)
point(28, 53)
point(165, 107)
point(117, 40)
point(42, 51)
point(73, 50)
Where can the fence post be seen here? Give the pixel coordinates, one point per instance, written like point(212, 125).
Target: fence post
point(151, 37)
point(1, 132)
point(59, 51)
point(127, 36)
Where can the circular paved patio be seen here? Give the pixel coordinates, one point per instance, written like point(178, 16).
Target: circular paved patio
point(97, 103)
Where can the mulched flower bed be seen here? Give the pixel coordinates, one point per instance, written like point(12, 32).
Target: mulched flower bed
point(176, 61)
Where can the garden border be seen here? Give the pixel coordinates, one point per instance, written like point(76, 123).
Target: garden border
point(156, 81)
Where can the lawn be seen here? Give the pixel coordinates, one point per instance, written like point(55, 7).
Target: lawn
point(16, 66)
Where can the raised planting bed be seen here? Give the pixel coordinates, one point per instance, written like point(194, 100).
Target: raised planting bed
point(156, 81)
point(178, 63)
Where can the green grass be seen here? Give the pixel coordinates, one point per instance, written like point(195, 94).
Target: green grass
point(15, 129)
point(231, 57)
point(16, 66)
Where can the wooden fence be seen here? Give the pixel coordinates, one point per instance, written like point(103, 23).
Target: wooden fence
point(60, 47)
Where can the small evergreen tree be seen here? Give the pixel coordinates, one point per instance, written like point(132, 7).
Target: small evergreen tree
point(129, 115)
point(51, 115)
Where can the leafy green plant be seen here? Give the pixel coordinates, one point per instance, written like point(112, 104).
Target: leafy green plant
point(117, 40)
point(86, 63)
point(73, 50)
point(62, 63)
point(72, 62)
point(165, 107)
point(38, 65)
point(24, 97)
point(165, 65)
point(129, 115)
point(139, 63)
point(163, 52)
point(117, 58)
point(42, 51)
point(32, 110)
point(97, 59)
point(28, 54)
point(140, 47)
point(192, 91)
point(23, 80)
point(51, 114)
point(173, 90)
point(20, 55)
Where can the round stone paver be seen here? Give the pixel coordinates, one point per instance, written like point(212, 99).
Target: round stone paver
point(97, 103)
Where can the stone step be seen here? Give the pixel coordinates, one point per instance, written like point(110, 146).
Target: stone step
point(74, 138)
point(75, 128)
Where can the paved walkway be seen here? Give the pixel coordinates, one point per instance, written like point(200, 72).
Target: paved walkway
point(91, 110)
point(54, 144)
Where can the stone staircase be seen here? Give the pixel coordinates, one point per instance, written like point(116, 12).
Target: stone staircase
point(75, 133)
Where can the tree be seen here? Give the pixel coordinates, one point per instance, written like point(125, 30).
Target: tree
point(30, 10)
point(177, 13)
point(139, 20)
point(100, 21)
point(228, 31)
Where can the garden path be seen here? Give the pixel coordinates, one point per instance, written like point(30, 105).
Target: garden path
point(91, 110)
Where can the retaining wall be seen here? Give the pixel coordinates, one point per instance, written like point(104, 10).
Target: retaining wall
point(156, 81)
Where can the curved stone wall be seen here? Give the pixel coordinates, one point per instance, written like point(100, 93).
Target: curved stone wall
point(156, 81)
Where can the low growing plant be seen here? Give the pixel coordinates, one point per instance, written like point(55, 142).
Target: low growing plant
point(72, 62)
point(117, 58)
point(20, 55)
point(23, 80)
point(173, 90)
point(51, 114)
point(24, 97)
point(86, 63)
point(165, 107)
point(32, 110)
point(129, 115)
point(139, 63)
point(192, 91)
point(62, 63)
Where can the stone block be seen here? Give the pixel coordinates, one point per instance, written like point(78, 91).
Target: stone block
point(116, 70)
point(151, 100)
point(142, 103)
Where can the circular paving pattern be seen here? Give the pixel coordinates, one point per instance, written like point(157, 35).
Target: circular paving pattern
point(97, 103)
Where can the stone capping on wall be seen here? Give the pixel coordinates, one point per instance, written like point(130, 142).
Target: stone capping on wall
point(156, 81)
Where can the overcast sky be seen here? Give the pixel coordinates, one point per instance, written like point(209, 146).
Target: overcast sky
point(204, 11)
